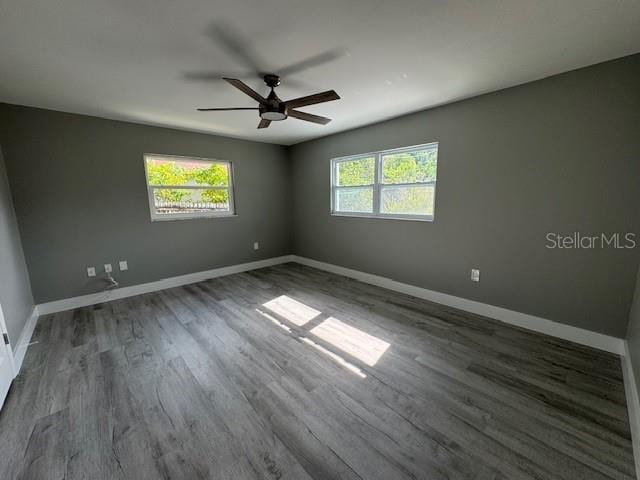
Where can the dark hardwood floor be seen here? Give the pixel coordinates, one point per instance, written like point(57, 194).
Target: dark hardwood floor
point(293, 373)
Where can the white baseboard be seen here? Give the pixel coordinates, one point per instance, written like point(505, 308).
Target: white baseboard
point(124, 292)
point(524, 320)
point(23, 342)
point(633, 405)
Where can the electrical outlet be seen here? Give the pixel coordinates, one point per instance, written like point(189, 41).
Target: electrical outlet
point(256, 245)
point(123, 265)
point(91, 271)
point(108, 268)
point(475, 275)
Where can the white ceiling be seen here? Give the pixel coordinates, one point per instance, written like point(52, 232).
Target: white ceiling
point(126, 59)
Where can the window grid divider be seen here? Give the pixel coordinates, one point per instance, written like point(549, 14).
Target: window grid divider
point(376, 184)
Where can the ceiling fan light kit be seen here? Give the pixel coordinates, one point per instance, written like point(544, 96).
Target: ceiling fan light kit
point(273, 115)
point(273, 109)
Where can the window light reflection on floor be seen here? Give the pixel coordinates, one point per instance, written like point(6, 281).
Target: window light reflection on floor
point(351, 340)
point(296, 312)
point(333, 356)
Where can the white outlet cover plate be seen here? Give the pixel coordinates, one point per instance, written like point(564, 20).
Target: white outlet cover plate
point(123, 265)
point(91, 271)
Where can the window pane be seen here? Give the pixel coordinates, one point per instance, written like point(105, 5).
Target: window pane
point(355, 172)
point(176, 200)
point(410, 167)
point(163, 171)
point(354, 200)
point(407, 200)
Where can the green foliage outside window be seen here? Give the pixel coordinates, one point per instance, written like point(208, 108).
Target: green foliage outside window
point(412, 168)
point(175, 174)
point(406, 167)
point(356, 172)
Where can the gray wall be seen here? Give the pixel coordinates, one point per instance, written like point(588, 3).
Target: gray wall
point(557, 155)
point(15, 291)
point(81, 199)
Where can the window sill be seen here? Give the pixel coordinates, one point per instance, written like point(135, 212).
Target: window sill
point(411, 218)
point(169, 218)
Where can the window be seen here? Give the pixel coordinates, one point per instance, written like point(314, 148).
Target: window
point(398, 183)
point(183, 187)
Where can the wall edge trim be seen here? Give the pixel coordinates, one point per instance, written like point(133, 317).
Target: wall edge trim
point(524, 320)
point(170, 282)
point(512, 317)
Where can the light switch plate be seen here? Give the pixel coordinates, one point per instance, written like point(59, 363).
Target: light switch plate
point(108, 268)
point(123, 265)
point(475, 275)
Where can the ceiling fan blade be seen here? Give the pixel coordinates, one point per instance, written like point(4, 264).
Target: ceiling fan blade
point(264, 123)
point(322, 97)
point(225, 109)
point(236, 47)
point(311, 62)
point(211, 75)
point(243, 87)
point(308, 117)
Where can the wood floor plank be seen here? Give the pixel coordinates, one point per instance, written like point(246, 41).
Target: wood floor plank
point(292, 373)
point(47, 451)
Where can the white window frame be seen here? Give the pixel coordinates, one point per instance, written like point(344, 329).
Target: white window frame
point(377, 184)
point(155, 217)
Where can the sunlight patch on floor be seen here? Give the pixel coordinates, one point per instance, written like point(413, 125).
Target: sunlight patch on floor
point(296, 312)
point(351, 340)
point(335, 357)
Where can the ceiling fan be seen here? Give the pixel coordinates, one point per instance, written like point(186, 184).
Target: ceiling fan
point(273, 109)
point(270, 108)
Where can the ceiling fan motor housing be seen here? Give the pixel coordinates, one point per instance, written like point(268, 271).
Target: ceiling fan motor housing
point(273, 109)
point(271, 80)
